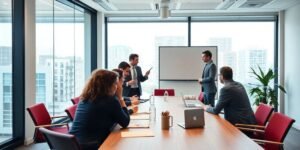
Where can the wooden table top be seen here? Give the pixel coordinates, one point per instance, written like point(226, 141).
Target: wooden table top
point(218, 134)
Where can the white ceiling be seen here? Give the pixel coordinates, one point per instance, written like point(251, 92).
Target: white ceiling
point(188, 7)
point(177, 7)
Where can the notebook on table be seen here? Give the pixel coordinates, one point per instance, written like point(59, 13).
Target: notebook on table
point(144, 98)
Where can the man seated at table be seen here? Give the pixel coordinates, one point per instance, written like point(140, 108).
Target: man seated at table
point(233, 99)
point(134, 107)
point(133, 100)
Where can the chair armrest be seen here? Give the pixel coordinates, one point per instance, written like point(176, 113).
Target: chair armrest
point(51, 125)
point(253, 130)
point(250, 125)
point(267, 142)
point(58, 117)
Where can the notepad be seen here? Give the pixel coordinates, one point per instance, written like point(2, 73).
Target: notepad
point(143, 133)
point(140, 116)
point(139, 124)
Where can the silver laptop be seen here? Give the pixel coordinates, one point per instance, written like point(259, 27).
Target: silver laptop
point(193, 118)
point(191, 102)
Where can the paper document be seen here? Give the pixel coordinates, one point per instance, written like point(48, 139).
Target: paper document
point(143, 133)
point(140, 116)
point(139, 124)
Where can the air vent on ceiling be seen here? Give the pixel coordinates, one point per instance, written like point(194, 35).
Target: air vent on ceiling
point(254, 3)
point(225, 4)
point(105, 4)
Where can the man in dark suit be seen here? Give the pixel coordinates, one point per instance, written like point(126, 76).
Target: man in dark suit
point(207, 81)
point(233, 99)
point(132, 84)
point(125, 68)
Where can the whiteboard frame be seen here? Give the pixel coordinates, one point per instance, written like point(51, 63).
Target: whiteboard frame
point(200, 47)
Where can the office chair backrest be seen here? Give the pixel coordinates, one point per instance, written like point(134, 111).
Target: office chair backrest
point(160, 92)
point(71, 111)
point(263, 113)
point(60, 141)
point(39, 114)
point(277, 129)
point(201, 97)
point(75, 100)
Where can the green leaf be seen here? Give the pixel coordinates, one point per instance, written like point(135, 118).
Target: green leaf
point(256, 91)
point(258, 77)
point(281, 88)
point(273, 98)
point(266, 93)
point(261, 74)
point(269, 76)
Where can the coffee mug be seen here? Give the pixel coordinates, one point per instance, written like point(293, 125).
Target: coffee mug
point(166, 122)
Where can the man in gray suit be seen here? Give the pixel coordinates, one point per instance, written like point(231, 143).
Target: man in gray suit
point(233, 99)
point(207, 81)
point(132, 84)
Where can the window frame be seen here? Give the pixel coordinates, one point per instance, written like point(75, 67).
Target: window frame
point(18, 74)
point(18, 67)
point(271, 17)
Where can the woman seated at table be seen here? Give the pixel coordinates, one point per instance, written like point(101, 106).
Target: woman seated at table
point(101, 107)
point(121, 80)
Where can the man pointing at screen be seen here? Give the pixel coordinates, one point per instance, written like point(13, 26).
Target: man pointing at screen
point(208, 79)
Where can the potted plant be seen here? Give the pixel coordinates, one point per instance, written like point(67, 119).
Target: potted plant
point(263, 92)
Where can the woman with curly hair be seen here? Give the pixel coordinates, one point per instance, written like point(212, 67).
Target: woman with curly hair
point(100, 109)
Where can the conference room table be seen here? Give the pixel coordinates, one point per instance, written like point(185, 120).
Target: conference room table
point(217, 134)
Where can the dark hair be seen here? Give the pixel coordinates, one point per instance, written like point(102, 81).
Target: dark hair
point(99, 85)
point(123, 65)
point(207, 53)
point(132, 56)
point(226, 72)
point(120, 72)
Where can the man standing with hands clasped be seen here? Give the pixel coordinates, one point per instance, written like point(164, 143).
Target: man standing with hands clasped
point(132, 83)
point(208, 79)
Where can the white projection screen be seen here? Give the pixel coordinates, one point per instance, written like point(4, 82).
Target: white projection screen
point(183, 63)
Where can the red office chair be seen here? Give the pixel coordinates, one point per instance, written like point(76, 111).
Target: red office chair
point(201, 97)
point(60, 141)
point(262, 115)
point(75, 100)
point(160, 92)
point(71, 112)
point(41, 118)
point(275, 131)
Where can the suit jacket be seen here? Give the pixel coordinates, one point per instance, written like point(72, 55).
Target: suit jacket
point(208, 78)
point(235, 102)
point(94, 120)
point(140, 78)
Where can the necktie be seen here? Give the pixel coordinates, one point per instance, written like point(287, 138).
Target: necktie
point(203, 71)
point(133, 73)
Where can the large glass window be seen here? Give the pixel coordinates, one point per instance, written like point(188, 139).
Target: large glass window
point(143, 39)
point(241, 45)
point(63, 44)
point(5, 70)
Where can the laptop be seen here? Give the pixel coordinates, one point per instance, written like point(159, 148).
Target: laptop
point(193, 118)
point(144, 98)
point(191, 101)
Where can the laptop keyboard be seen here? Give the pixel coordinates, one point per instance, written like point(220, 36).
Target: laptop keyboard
point(192, 103)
